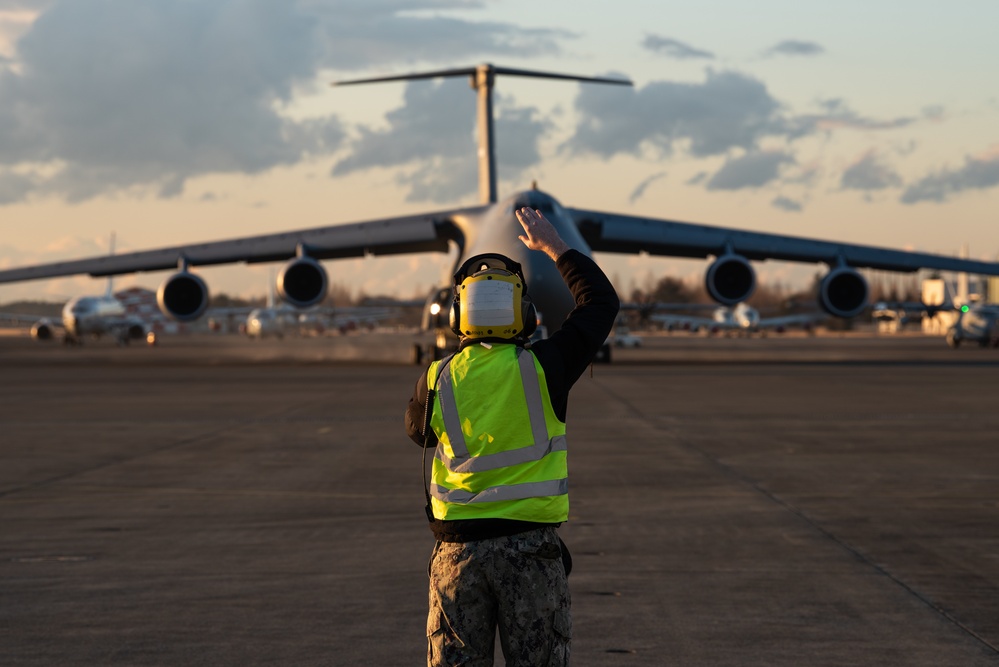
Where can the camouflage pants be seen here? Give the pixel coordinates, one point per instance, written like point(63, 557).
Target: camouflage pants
point(516, 583)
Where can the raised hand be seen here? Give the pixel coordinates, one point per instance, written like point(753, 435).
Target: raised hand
point(539, 234)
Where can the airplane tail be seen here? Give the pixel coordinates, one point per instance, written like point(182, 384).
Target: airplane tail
point(270, 291)
point(481, 78)
point(490, 70)
point(109, 293)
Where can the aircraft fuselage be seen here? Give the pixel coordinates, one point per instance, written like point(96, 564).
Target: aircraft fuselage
point(498, 230)
point(98, 316)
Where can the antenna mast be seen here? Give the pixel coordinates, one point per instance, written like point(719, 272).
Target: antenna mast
point(481, 79)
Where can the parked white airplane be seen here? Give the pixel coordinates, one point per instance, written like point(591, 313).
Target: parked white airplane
point(279, 320)
point(264, 322)
point(741, 318)
point(271, 320)
point(87, 316)
point(493, 227)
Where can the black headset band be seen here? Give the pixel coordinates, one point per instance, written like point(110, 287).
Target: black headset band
point(473, 264)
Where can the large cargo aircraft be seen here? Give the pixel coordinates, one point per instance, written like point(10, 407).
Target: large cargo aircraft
point(492, 226)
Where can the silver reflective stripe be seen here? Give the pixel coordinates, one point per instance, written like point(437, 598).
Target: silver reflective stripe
point(532, 392)
point(511, 457)
point(535, 411)
point(449, 412)
point(555, 487)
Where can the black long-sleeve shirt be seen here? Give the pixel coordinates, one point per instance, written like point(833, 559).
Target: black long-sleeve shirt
point(564, 356)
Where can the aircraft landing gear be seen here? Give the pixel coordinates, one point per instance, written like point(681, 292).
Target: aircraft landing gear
point(440, 347)
point(423, 354)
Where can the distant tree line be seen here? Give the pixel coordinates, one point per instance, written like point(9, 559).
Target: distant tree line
point(674, 290)
point(884, 286)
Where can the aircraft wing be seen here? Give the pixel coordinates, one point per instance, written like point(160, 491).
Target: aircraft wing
point(427, 232)
point(611, 232)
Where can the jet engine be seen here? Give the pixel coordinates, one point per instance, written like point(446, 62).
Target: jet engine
point(302, 282)
point(183, 296)
point(42, 330)
point(730, 279)
point(843, 292)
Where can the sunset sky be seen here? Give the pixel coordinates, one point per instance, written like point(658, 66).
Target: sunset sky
point(174, 121)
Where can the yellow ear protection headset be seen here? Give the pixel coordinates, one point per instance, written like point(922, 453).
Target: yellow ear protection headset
point(490, 299)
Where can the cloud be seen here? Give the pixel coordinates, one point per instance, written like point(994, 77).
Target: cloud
point(13, 185)
point(978, 173)
point(934, 112)
point(433, 133)
point(729, 110)
point(15, 17)
point(752, 170)
point(639, 191)
point(23, 5)
point(793, 47)
point(110, 96)
point(698, 178)
point(373, 33)
point(673, 48)
point(868, 174)
point(436, 118)
point(128, 94)
point(836, 115)
point(786, 204)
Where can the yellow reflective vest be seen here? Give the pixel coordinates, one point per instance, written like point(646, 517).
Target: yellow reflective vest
point(501, 450)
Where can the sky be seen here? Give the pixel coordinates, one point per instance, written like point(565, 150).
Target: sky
point(167, 122)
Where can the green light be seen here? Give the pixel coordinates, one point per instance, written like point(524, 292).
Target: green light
point(965, 309)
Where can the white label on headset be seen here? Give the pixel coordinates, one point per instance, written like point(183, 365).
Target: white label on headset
point(488, 303)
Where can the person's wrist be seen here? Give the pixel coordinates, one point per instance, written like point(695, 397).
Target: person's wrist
point(556, 250)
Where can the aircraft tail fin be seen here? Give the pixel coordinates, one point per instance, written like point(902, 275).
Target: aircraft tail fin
point(482, 77)
point(270, 291)
point(110, 288)
point(490, 69)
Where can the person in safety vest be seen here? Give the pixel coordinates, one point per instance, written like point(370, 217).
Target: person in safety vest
point(495, 414)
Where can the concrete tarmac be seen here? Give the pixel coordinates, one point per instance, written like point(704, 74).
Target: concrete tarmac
point(780, 501)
